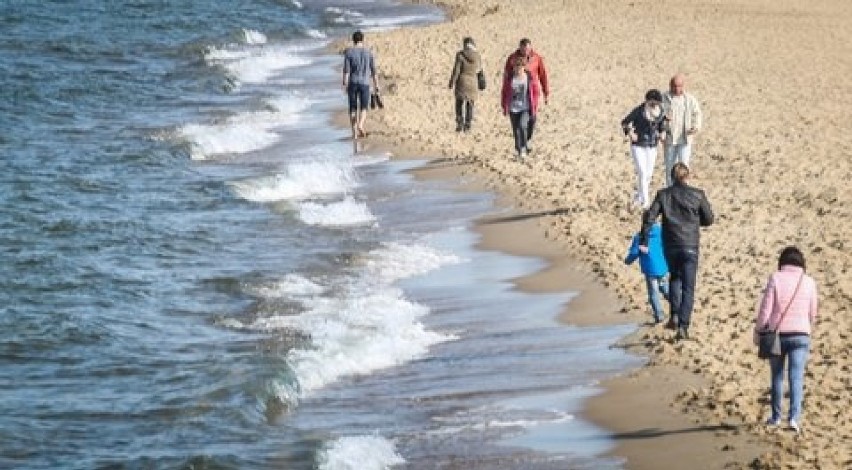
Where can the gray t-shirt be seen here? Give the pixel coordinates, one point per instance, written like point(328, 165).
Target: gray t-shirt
point(358, 63)
point(520, 95)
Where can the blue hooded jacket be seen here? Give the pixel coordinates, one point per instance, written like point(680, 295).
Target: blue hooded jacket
point(653, 263)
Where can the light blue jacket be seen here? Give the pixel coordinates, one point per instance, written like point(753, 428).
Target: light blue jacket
point(653, 263)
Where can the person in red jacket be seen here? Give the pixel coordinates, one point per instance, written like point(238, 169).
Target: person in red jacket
point(519, 100)
point(535, 67)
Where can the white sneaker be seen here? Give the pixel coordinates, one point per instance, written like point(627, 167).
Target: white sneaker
point(794, 426)
point(522, 154)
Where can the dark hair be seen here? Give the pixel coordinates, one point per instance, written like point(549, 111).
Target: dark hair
point(468, 40)
point(680, 172)
point(791, 256)
point(653, 94)
point(525, 42)
point(357, 37)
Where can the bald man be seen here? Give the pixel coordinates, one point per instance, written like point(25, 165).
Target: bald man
point(684, 115)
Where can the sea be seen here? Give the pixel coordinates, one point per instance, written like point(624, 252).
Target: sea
point(198, 273)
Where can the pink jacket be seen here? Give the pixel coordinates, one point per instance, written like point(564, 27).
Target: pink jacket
point(778, 293)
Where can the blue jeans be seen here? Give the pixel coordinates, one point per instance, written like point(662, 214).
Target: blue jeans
point(683, 269)
point(795, 347)
point(657, 285)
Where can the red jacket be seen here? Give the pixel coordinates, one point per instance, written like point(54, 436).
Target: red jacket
point(535, 66)
point(534, 90)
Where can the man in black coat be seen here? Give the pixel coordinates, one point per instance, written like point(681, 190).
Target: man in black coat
point(684, 210)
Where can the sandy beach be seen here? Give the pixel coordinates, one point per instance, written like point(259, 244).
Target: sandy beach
point(774, 159)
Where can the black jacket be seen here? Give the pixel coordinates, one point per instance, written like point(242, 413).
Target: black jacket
point(684, 210)
point(647, 132)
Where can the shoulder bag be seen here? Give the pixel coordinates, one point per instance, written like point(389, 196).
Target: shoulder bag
point(768, 340)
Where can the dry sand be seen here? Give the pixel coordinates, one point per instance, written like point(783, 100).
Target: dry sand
point(773, 78)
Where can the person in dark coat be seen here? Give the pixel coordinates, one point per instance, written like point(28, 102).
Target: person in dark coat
point(684, 210)
point(463, 80)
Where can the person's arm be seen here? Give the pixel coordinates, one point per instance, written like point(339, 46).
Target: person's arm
point(648, 219)
point(767, 305)
point(633, 251)
point(697, 118)
point(812, 311)
point(456, 71)
point(627, 125)
point(542, 77)
point(374, 74)
point(705, 212)
point(346, 69)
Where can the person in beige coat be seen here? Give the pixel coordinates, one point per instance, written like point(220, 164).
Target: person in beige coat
point(684, 117)
point(464, 81)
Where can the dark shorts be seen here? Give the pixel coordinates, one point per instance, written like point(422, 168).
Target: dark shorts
point(359, 96)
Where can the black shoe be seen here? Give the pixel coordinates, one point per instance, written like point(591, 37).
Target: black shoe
point(467, 127)
point(671, 324)
point(681, 334)
point(459, 127)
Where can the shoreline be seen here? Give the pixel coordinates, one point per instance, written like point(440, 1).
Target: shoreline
point(579, 179)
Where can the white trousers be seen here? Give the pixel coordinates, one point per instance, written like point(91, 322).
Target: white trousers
point(643, 159)
point(674, 154)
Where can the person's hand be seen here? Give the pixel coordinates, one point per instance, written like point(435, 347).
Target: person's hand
point(643, 249)
point(633, 137)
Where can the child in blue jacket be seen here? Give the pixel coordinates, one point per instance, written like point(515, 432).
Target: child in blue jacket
point(654, 267)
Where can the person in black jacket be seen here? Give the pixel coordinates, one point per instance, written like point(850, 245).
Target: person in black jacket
point(684, 210)
point(644, 126)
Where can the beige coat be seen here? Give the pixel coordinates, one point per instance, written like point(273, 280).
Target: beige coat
point(463, 79)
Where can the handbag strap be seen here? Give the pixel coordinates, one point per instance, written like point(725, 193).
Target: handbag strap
point(784, 313)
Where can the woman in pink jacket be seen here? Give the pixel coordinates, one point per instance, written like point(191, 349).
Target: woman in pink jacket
point(790, 303)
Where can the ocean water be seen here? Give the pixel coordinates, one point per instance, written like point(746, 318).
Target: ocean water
point(198, 273)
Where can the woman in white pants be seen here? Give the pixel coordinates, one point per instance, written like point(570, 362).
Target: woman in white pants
point(644, 126)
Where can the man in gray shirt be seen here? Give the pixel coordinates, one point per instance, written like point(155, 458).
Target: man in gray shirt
point(359, 69)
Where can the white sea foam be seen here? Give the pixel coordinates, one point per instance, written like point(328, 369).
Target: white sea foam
point(291, 285)
point(255, 64)
point(301, 181)
point(253, 37)
point(354, 334)
point(343, 213)
point(245, 132)
point(315, 33)
point(395, 261)
point(359, 453)
point(368, 324)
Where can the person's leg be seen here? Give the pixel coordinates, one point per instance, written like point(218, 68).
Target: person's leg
point(689, 272)
point(468, 115)
point(664, 287)
point(675, 294)
point(515, 119)
point(530, 127)
point(364, 105)
point(776, 392)
point(524, 125)
point(352, 96)
point(797, 348)
point(459, 116)
point(649, 157)
point(669, 158)
point(684, 153)
point(636, 153)
point(652, 285)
